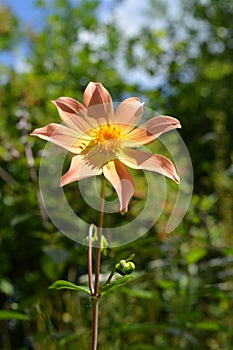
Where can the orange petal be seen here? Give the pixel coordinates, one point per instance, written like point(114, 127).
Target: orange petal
point(72, 113)
point(151, 130)
point(120, 178)
point(142, 160)
point(61, 136)
point(68, 106)
point(95, 94)
point(129, 113)
point(78, 170)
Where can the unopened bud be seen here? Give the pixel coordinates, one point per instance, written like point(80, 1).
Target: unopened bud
point(124, 267)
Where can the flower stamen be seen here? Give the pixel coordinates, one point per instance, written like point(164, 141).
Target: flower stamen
point(107, 132)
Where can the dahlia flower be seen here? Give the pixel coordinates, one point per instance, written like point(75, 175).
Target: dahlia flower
point(106, 142)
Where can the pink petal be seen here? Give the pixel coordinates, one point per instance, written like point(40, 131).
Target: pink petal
point(129, 113)
point(96, 95)
point(154, 162)
point(120, 178)
point(62, 136)
point(78, 170)
point(72, 113)
point(68, 106)
point(151, 130)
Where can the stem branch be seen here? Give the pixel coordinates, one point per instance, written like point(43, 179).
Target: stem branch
point(90, 279)
point(110, 277)
point(99, 233)
point(95, 294)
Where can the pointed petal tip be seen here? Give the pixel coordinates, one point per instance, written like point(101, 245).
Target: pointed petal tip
point(175, 176)
point(173, 121)
point(55, 102)
point(35, 132)
point(65, 180)
point(124, 211)
point(177, 123)
point(179, 126)
point(61, 184)
point(177, 179)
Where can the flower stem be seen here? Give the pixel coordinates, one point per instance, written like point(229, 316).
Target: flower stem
point(95, 311)
point(95, 296)
point(90, 278)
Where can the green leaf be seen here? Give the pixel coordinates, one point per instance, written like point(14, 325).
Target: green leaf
point(166, 284)
point(7, 314)
point(217, 70)
point(195, 254)
point(140, 293)
point(143, 347)
point(115, 284)
point(61, 284)
point(94, 240)
point(228, 251)
point(208, 325)
point(18, 219)
point(67, 339)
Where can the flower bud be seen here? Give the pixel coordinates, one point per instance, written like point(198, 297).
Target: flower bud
point(124, 267)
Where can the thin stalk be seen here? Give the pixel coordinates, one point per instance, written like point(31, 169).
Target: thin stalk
point(90, 278)
point(99, 234)
point(110, 277)
point(95, 312)
point(95, 296)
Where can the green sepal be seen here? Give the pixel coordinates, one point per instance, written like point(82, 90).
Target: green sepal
point(130, 257)
point(115, 284)
point(61, 284)
point(94, 240)
point(104, 245)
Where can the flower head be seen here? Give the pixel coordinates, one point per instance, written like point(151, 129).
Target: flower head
point(106, 141)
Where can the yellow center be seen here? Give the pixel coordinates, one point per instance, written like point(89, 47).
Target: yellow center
point(106, 140)
point(107, 132)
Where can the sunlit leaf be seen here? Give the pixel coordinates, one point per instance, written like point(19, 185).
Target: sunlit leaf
point(208, 325)
point(228, 251)
point(143, 347)
point(217, 70)
point(68, 338)
point(140, 293)
point(115, 284)
point(195, 255)
point(8, 315)
point(61, 284)
point(166, 284)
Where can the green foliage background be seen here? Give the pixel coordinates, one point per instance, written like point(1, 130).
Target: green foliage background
point(182, 296)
